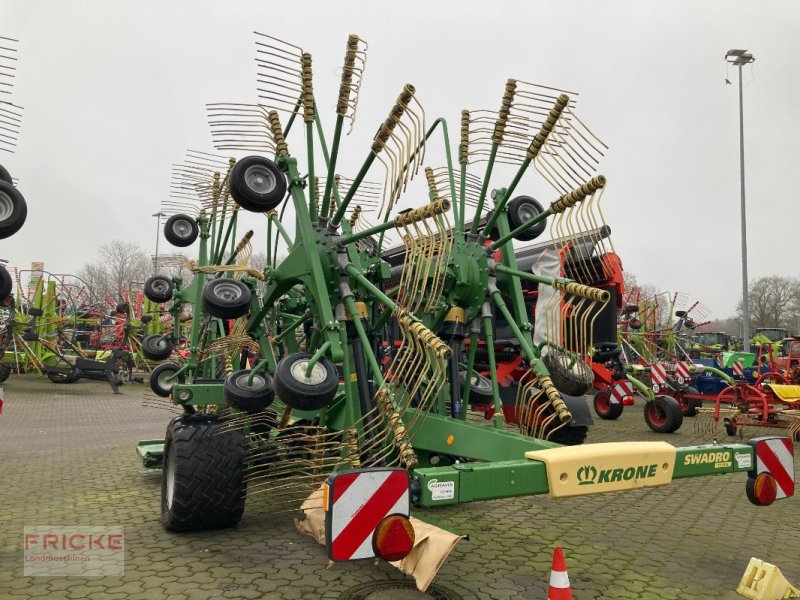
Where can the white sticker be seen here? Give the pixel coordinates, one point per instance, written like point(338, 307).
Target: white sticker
point(743, 461)
point(681, 380)
point(656, 388)
point(442, 490)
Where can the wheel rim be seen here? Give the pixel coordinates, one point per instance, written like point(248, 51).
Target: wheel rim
point(160, 343)
point(480, 384)
point(318, 373)
point(227, 291)
point(169, 473)
point(260, 179)
point(527, 211)
point(602, 402)
point(259, 381)
point(166, 379)
point(6, 206)
point(160, 286)
point(657, 415)
point(182, 228)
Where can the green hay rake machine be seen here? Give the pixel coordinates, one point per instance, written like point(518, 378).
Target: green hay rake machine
point(331, 362)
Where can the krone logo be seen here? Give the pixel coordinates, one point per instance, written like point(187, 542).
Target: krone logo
point(586, 475)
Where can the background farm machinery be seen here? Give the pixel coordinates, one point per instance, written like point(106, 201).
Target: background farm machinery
point(346, 356)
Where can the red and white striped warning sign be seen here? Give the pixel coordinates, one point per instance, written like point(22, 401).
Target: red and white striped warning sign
point(620, 391)
point(774, 454)
point(357, 502)
point(658, 373)
point(738, 369)
point(682, 369)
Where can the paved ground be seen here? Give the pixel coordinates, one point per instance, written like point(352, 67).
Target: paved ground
point(67, 457)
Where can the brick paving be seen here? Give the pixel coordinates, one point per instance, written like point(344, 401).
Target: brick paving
point(67, 457)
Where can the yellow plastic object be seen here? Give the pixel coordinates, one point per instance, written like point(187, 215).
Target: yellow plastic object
point(611, 467)
point(786, 393)
point(763, 581)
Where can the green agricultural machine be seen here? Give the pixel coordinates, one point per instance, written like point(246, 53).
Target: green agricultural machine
point(332, 360)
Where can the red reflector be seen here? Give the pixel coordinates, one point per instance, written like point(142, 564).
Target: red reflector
point(393, 538)
point(762, 489)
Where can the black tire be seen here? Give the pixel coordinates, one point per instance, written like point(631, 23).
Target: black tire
point(58, 377)
point(521, 210)
point(6, 283)
point(181, 230)
point(313, 394)
point(226, 298)
point(257, 184)
point(122, 308)
point(247, 398)
point(35, 312)
point(157, 346)
point(158, 379)
point(159, 289)
point(146, 319)
point(688, 407)
point(13, 210)
point(730, 428)
point(29, 336)
point(604, 407)
point(5, 175)
point(663, 415)
point(480, 388)
point(202, 483)
point(5, 372)
point(571, 379)
point(569, 436)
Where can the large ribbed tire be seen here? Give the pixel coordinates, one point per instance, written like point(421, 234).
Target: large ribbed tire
point(301, 392)
point(13, 210)
point(569, 436)
point(663, 415)
point(604, 407)
point(570, 376)
point(202, 483)
point(257, 184)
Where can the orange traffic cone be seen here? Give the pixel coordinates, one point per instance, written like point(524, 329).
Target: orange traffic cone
point(559, 580)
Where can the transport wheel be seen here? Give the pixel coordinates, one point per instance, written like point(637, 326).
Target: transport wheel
point(604, 407)
point(6, 283)
point(202, 482)
point(688, 407)
point(301, 392)
point(248, 397)
point(257, 184)
point(57, 377)
point(181, 230)
point(571, 377)
point(663, 415)
point(5, 372)
point(730, 428)
point(480, 388)
point(162, 379)
point(13, 210)
point(159, 289)
point(5, 175)
point(157, 346)
point(569, 436)
point(226, 298)
point(521, 210)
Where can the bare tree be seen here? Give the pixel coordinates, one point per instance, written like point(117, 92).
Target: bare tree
point(121, 263)
point(773, 301)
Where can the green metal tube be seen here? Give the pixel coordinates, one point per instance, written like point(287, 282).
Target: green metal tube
point(290, 329)
point(497, 419)
point(473, 348)
point(317, 355)
point(279, 226)
point(360, 235)
point(255, 370)
point(217, 257)
point(312, 201)
point(515, 232)
point(462, 200)
point(337, 134)
point(643, 389)
point(351, 192)
point(484, 187)
point(371, 288)
point(526, 348)
point(502, 203)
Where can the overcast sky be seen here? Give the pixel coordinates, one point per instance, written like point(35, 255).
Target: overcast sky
point(114, 93)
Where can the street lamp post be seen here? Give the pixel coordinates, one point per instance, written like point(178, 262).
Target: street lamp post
point(739, 58)
point(158, 216)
